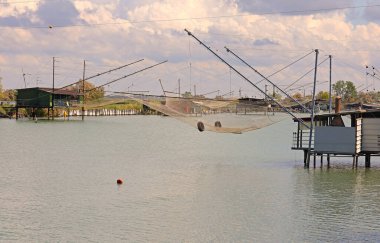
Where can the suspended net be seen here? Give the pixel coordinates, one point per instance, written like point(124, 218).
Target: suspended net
point(216, 115)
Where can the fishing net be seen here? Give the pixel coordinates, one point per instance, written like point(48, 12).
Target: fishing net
point(216, 115)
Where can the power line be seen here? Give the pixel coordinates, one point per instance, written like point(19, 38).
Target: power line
point(195, 18)
point(18, 2)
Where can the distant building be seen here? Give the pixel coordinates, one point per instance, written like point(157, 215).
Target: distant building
point(7, 103)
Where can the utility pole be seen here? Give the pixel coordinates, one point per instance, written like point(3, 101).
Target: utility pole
point(230, 84)
point(83, 91)
point(190, 78)
point(312, 109)
point(179, 88)
point(330, 97)
point(53, 88)
point(162, 87)
point(266, 91)
point(195, 90)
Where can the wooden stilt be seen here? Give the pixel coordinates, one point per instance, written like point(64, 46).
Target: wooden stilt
point(321, 160)
point(328, 161)
point(367, 160)
point(305, 158)
point(356, 161)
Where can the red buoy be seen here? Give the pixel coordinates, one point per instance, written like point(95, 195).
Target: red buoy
point(119, 181)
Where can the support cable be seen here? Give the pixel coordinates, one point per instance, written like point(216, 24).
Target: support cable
point(126, 76)
point(265, 78)
point(249, 81)
point(99, 74)
point(282, 69)
point(308, 72)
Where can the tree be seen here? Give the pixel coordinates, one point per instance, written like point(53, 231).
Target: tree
point(9, 95)
point(1, 89)
point(323, 95)
point(187, 94)
point(351, 90)
point(277, 96)
point(369, 97)
point(297, 96)
point(345, 89)
point(91, 93)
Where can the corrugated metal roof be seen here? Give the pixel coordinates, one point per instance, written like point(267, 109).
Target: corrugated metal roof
point(343, 113)
point(56, 91)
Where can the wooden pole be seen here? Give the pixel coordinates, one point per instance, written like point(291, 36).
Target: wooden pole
point(179, 88)
point(330, 97)
point(328, 160)
point(313, 106)
point(305, 157)
point(321, 160)
point(53, 89)
point(84, 73)
point(367, 160)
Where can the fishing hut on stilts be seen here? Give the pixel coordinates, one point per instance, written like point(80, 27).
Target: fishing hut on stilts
point(341, 134)
point(46, 98)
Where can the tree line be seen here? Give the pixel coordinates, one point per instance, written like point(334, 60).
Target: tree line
point(348, 93)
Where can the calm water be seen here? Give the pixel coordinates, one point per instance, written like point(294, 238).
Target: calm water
point(58, 183)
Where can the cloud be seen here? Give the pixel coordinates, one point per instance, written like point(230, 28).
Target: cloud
point(58, 13)
point(268, 42)
point(13, 21)
point(264, 42)
point(290, 7)
point(372, 14)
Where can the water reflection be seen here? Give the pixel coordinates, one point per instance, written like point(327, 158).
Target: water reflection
point(58, 183)
point(338, 204)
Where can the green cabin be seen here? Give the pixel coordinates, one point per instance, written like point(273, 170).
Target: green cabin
point(43, 98)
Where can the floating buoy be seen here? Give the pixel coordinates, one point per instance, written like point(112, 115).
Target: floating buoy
point(218, 124)
point(119, 181)
point(201, 126)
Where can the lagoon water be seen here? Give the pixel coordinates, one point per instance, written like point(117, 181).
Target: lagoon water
point(58, 183)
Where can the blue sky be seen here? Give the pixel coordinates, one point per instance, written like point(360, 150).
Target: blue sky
point(268, 34)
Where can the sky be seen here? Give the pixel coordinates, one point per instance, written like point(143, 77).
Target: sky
point(267, 34)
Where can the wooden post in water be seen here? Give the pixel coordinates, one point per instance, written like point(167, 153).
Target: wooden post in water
point(305, 155)
point(328, 160)
point(321, 160)
point(367, 160)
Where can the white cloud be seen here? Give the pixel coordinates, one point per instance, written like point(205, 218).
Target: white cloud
point(162, 37)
